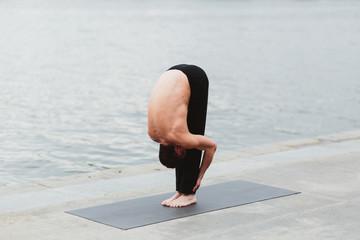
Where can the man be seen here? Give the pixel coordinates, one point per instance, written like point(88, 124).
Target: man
point(176, 120)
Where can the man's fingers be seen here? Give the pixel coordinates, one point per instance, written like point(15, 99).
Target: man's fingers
point(196, 187)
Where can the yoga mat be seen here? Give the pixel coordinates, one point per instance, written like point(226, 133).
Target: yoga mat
point(148, 210)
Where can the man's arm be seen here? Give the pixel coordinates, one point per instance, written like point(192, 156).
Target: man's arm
point(207, 159)
point(190, 141)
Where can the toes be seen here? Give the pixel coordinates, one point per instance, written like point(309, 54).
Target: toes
point(177, 203)
point(166, 203)
point(174, 205)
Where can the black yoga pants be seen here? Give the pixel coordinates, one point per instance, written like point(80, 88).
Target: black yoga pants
point(187, 174)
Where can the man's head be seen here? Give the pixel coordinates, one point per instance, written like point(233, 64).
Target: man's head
point(171, 156)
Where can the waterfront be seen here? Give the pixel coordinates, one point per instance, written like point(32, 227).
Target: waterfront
point(75, 78)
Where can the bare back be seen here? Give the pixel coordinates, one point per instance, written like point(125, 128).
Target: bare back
point(168, 106)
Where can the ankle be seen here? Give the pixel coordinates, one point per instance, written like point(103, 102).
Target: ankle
point(187, 194)
point(191, 195)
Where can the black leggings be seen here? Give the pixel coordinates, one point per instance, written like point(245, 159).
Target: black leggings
point(188, 172)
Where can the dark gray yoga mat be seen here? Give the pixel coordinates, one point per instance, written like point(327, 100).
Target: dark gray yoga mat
point(148, 210)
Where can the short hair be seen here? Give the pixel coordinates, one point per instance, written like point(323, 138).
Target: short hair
point(169, 157)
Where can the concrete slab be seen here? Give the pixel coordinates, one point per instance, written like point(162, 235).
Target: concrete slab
point(326, 172)
point(300, 154)
point(132, 183)
point(19, 202)
point(234, 166)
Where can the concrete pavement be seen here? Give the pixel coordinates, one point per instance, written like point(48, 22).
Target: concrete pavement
point(324, 169)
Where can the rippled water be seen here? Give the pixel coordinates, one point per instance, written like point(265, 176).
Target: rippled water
point(75, 76)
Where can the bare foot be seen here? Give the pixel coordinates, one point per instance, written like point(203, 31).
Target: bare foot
point(183, 201)
point(168, 201)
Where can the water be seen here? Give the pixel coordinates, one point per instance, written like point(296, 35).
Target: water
point(75, 76)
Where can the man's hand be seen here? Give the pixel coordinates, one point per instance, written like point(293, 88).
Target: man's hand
point(198, 182)
point(200, 142)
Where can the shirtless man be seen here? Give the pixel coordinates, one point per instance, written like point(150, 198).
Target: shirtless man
point(176, 120)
